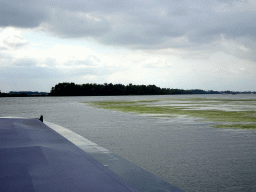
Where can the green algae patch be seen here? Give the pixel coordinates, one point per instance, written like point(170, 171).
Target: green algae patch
point(240, 112)
point(236, 126)
point(222, 116)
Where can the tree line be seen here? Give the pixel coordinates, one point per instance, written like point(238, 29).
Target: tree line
point(72, 89)
point(108, 89)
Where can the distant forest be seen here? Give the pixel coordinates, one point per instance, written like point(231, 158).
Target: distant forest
point(23, 94)
point(72, 89)
point(109, 89)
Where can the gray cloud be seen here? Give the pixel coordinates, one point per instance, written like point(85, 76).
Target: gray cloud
point(22, 13)
point(105, 6)
point(26, 62)
point(232, 26)
point(26, 72)
point(76, 24)
point(136, 24)
point(29, 74)
point(27, 68)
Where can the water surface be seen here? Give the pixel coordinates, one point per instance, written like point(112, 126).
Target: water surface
point(184, 151)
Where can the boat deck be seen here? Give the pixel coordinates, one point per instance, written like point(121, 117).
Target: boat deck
point(37, 156)
point(33, 157)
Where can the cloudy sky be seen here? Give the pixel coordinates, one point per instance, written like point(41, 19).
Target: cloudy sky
point(183, 44)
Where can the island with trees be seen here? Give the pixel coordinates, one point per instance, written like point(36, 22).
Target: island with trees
point(72, 89)
point(109, 89)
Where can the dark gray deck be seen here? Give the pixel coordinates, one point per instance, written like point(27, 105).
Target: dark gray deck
point(34, 157)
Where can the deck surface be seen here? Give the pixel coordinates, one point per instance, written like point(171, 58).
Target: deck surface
point(33, 157)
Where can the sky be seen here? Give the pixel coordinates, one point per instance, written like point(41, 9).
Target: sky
point(182, 44)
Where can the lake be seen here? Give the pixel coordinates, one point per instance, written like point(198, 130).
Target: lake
point(184, 151)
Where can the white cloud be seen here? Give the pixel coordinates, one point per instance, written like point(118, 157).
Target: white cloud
point(11, 38)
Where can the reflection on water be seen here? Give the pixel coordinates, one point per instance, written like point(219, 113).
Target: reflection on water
point(183, 151)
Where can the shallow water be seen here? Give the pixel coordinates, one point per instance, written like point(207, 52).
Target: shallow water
point(186, 152)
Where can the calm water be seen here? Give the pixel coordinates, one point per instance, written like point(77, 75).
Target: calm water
point(187, 153)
